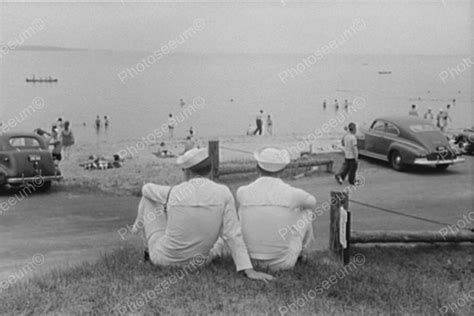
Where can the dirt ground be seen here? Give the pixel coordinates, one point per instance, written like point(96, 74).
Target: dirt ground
point(66, 228)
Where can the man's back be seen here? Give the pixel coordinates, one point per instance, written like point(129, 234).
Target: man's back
point(195, 216)
point(267, 207)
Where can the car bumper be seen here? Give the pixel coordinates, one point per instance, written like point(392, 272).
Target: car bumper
point(37, 180)
point(426, 162)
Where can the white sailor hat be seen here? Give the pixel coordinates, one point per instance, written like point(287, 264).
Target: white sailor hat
point(272, 159)
point(192, 157)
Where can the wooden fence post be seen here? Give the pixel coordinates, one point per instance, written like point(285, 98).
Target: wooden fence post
point(214, 157)
point(338, 200)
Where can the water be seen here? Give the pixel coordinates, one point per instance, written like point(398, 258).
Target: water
point(89, 85)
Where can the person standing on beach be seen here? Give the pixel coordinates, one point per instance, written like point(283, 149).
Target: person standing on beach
point(351, 156)
point(336, 104)
point(346, 104)
point(429, 116)
point(324, 105)
point(171, 125)
point(56, 142)
point(181, 103)
point(269, 125)
point(106, 122)
point(181, 223)
point(97, 123)
point(67, 139)
point(413, 111)
point(259, 122)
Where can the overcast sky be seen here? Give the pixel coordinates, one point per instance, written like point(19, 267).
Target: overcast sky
point(392, 27)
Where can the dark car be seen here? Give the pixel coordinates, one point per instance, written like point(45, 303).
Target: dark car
point(407, 141)
point(25, 159)
point(465, 141)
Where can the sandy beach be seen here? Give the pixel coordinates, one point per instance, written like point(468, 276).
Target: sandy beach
point(141, 166)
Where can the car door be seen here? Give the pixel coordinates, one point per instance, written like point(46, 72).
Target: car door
point(374, 136)
point(390, 135)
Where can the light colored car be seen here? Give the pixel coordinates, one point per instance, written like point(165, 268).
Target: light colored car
point(407, 141)
point(25, 159)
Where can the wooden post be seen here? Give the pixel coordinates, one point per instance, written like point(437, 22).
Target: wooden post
point(214, 157)
point(338, 200)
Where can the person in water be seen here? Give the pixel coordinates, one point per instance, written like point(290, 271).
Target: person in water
point(413, 111)
point(97, 123)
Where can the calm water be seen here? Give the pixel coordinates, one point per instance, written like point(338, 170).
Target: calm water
point(88, 85)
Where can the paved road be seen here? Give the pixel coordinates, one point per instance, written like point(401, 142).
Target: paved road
point(66, 228)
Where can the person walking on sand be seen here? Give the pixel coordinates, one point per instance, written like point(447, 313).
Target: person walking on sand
point(429, 116)
point(171, 125)
point(413, 111)
point(259, 122)
point(351, 156)
point(181, 223)
point(67, 138)
point(269, 125)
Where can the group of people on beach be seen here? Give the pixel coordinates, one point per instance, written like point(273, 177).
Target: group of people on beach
point(260, 129)
point(442, 118)
point(61, 139)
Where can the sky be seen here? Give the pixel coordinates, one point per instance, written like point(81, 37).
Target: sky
point(392, 27)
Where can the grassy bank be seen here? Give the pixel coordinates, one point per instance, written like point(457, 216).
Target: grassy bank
point(420, 280)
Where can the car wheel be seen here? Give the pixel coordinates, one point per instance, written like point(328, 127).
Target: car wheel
point(396, 161)
point(442, 167)
point(45, 186)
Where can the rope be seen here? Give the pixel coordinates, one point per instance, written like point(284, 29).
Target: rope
point(407, 215)
point(239, 150)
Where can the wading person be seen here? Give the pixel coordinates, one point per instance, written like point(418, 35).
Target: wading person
point(351, 156)
point(259, 122)
point(275, 217)
point(171, 125)
point(185, 221)
point(413, 111)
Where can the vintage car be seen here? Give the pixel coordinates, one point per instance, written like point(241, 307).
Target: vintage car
point(25, 159)
point(407, 141)
point(465, 141)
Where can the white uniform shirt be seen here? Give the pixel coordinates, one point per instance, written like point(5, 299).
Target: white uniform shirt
point(266, 207)
point(199, 211)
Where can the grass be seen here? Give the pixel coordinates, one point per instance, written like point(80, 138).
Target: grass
point(393, 280)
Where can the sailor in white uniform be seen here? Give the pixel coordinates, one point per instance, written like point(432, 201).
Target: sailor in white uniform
point(184, 221)
point(275, 217)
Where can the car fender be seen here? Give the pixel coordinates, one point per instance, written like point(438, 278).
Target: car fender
point(408, 151)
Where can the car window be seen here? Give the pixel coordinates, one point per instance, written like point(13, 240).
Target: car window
point(24, 142)
point(378, 126)
point(423, 128)
point(392, 129)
